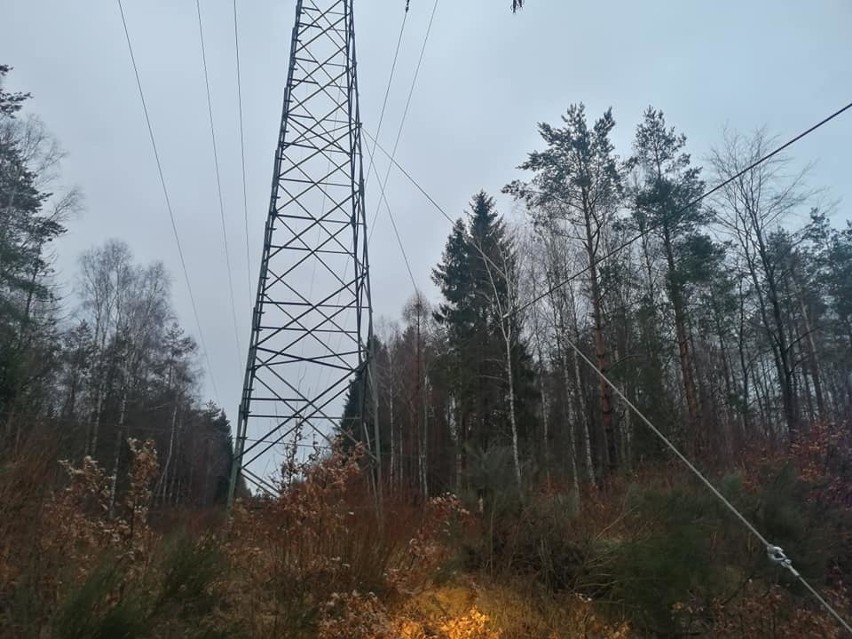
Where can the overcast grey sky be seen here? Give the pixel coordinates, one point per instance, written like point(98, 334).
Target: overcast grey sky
point(488, 77)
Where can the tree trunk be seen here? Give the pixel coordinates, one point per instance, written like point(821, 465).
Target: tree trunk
point(425, 437)
point(119, 441)
point(682, 337)
point(420, 411)
point(455, 428)
point(392, 425)
point(591, 475)
point(507, 338)
point(813, 358)
point(164, 477)
point(95, 424)
point(545, 422)
point(744, 368)
point(611, 446)
point(776, 330)
point(727, 376)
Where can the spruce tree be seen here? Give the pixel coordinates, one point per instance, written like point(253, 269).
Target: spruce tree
point(475, 277)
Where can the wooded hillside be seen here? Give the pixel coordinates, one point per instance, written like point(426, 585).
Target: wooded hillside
point(519, 493)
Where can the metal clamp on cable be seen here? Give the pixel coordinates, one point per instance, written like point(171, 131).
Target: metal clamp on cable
point(776, 555)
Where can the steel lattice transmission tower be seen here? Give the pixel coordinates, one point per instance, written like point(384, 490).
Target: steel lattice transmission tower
point(312, 320)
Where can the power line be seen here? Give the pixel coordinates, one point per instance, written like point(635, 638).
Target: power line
point(383, 199)
point(399, 242)
point(774, 552)
point(372, 153)
point(242, 149)
point(168, 200)
point(411, 179)
point(387, 91)
point(432, 200)
point(218, 181)
point(404, 115)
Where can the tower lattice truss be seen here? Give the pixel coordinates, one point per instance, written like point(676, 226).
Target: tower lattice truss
point(312, 317)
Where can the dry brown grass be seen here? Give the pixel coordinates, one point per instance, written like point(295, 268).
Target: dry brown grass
point(320, 561)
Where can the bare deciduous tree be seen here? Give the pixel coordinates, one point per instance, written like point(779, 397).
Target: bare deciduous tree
point(750, 208)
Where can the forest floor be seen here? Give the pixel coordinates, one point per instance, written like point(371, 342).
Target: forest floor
point(485, 608)
point(650, 555)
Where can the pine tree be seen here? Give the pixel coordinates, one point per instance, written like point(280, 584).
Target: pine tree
point(576, 191)
point(667, 184)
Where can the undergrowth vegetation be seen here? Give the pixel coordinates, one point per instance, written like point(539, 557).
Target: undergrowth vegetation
point(650, 554)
